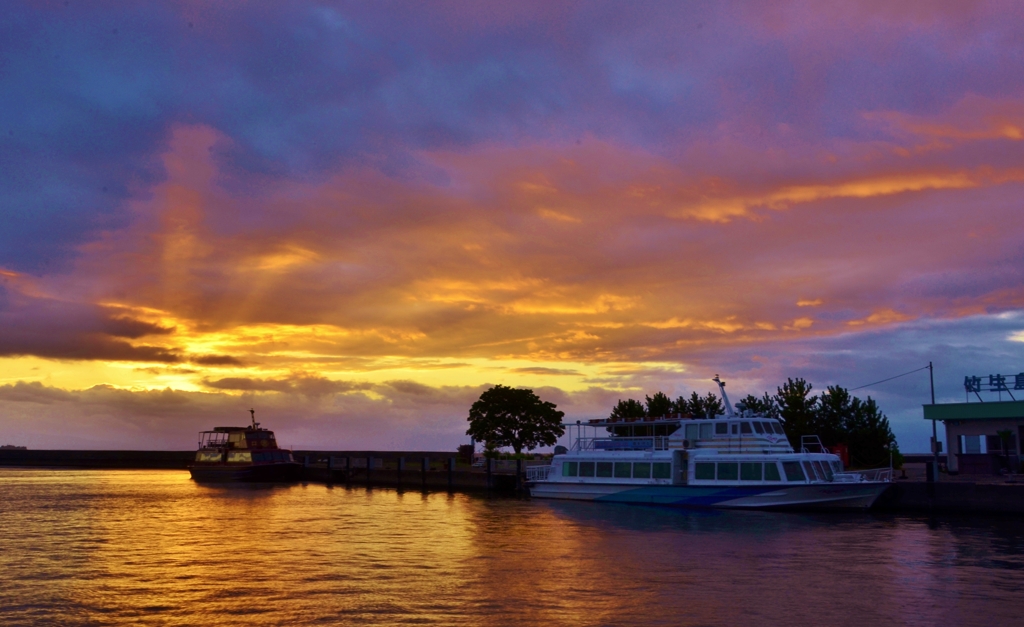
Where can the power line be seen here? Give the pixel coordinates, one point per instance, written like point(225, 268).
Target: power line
point(889, 379)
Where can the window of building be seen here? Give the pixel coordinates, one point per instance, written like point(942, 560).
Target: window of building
point(728, 471)
point(569, 469)
point(622, 470)
point(586, 469)
point(662, 470)
point(721, 428)
point(750, 471)
point(793, 471)
point(771, 472)
point(642, 470)
point(704, 471)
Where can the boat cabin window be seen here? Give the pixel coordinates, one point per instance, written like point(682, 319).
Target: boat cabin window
point(642, 470)
point(758, 428)
point(778, 428)
point(704, 471)
point(745, 428)
point(586, 469)
point(570, 469)
point(239, 456)
point(662, 470)
point(728, 471)
point(823, 470)
point(735, 429)
point(771, 472)
point(750, 471)
point(604, 469)
point(793, 471)
point(721, 428)
point(692, 432)
point(837, 466)
point(208, 456)
point(811, 475)
point(622, 470)
point(705, 431)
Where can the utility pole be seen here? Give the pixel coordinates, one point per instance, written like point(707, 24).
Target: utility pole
point(935, 438)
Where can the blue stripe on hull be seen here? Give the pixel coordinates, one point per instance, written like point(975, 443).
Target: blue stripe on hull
point(841, 496)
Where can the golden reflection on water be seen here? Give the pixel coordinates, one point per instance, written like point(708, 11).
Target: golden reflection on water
point(153, 547)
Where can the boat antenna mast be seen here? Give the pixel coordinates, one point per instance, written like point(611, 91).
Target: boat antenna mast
point(725, 397)
point(252, 413)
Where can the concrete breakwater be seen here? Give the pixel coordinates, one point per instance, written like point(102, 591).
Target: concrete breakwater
point(427, 470)
point(441, 470)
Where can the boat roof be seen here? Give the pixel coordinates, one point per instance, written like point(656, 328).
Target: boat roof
point(608, 422)
point(232, 429)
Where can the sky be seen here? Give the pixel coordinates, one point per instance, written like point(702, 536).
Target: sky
point(356, 217)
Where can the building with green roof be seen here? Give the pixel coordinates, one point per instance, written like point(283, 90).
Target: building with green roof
point(976, 432)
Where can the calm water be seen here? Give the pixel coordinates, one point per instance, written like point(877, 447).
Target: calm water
point(152, 547)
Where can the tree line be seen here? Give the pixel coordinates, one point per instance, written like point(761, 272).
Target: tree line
point(835, 416)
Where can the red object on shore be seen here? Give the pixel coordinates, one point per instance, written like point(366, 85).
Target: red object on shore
point(843, 452)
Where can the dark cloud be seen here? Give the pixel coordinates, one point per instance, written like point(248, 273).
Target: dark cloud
point(307, 385)
point(215, 360)
point(546, 371)
point(46, 327)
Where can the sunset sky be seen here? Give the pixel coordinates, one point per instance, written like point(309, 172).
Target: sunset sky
point(356, 217)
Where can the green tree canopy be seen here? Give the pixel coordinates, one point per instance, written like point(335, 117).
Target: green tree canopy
point(514, 417)
point(798, 409)
point(764, 406)
point(659, 405)
point(628, 408)
point(699, 406)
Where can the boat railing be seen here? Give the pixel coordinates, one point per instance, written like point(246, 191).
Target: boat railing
point(538, 473)
point(873, 475)
point(212, 439)
point(811, 444)
point(656, 443)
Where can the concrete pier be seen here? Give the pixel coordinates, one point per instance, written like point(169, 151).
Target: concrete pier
point(440, 470)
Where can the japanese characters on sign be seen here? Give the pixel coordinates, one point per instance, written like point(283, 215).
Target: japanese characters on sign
point(995, 383)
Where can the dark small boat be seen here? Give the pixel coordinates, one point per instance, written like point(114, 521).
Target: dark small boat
point(234, 454)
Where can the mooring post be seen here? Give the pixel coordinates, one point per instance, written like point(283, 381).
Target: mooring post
point(451, 473)
point(490, 471)
point(401, 467)
point(425, 468)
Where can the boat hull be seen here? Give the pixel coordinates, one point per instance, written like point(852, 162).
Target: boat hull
point(235, 473)
point(832, 496)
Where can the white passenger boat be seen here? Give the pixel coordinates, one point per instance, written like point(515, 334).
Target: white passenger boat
point(729, 461)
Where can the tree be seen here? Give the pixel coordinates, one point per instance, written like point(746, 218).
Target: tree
point(764, 406)
point(698, 406)
point(797, 409)
point(659, 405)
point(628, 408)
point(869, 437)
point(515, 417)
point(835, 409)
